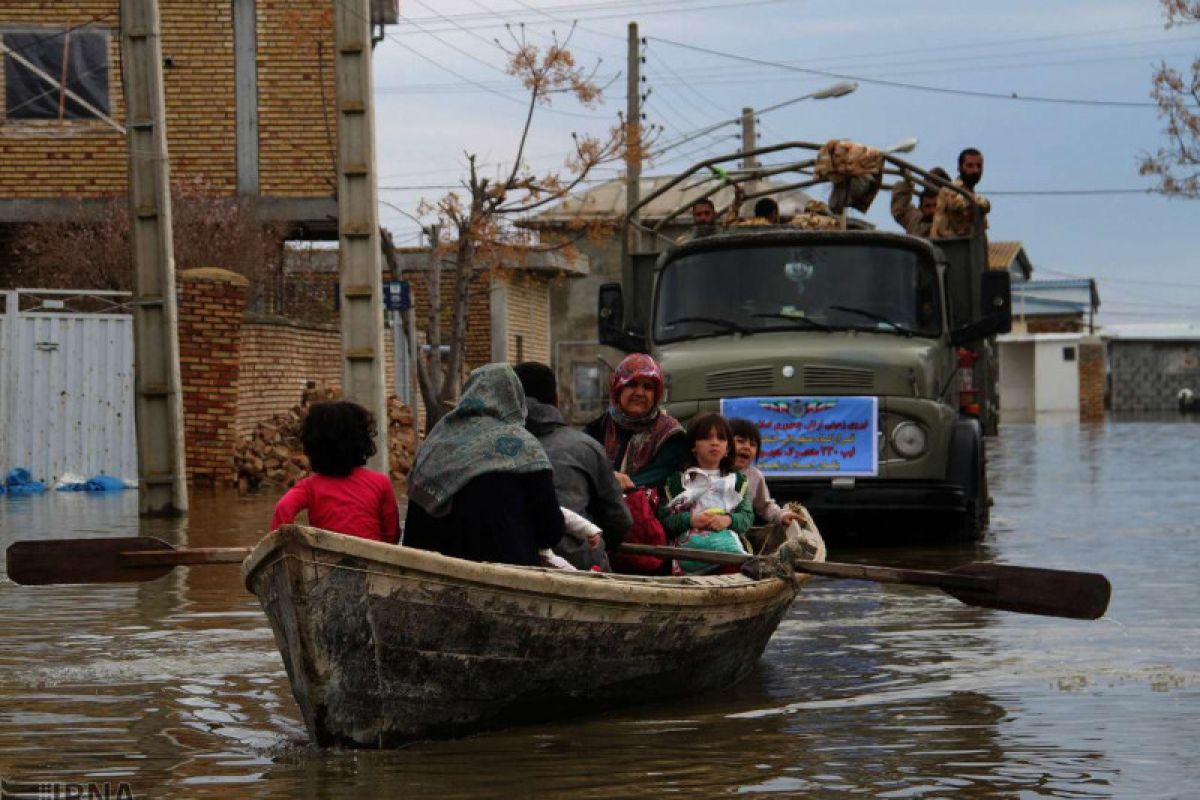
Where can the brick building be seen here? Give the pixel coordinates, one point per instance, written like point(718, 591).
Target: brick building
point(249, 91)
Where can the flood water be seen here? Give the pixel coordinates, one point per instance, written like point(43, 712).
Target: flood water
point(175, 687)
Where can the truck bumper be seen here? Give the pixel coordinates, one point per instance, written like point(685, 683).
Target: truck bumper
point(822, 497)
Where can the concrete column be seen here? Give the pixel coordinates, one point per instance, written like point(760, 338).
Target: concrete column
point(245, 59)
point(498, 311)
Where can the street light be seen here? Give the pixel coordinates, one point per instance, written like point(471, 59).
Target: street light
point(839, 89)
point(903, 146)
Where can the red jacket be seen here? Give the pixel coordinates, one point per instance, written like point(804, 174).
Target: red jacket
point(361, 504)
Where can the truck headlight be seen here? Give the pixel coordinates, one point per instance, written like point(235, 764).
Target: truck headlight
point(909, 439)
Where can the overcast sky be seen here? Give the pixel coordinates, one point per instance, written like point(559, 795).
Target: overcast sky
point(441, 92)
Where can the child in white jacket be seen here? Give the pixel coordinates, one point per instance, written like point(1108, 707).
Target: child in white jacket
point(575, 525)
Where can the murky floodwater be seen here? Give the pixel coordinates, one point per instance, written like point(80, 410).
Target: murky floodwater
point(175, 687)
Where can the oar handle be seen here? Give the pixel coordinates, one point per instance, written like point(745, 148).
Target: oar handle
point(181, 557)
point(918, 577)
point(685, 553)
point(941, 580)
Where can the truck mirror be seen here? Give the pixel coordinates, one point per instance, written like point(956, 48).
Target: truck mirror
point(995, 298)
point(610, 319)
point(610, 315)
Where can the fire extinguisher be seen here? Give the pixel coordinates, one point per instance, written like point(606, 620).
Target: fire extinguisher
point(968, 401)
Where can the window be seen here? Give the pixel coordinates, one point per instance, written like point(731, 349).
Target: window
point(589, 388)
point(1068, 354)
point(764, 288)
point(29, 96)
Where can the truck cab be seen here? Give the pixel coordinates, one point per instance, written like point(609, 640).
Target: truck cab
point(849, 348)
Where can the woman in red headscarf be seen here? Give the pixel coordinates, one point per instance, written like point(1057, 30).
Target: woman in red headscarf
point(644, 443)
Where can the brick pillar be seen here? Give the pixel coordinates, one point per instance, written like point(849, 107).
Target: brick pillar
point(211, 305)
point(1091, 379)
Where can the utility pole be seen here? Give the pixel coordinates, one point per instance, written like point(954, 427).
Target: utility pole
point(162, 475)
point(633, 134)
point(749, 142)
point(361, 276)
point(749, 139)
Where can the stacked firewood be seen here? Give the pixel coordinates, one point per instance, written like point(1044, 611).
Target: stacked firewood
point(273, 454)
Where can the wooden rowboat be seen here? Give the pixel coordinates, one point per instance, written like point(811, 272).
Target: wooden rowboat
point(384, 644)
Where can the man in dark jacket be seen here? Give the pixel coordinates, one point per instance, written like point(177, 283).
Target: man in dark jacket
point(583, 478)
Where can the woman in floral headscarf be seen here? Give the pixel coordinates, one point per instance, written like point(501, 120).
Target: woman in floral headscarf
point(481, 486)
point(644, 443)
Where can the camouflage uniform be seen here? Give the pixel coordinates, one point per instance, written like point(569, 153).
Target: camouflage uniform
point(953, 216)
point(817, 217)
point(906, 214)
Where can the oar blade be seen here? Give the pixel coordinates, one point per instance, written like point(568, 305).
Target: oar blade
point(35, 562)
point(1034, 590)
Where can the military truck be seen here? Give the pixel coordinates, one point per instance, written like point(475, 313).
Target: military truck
point(863, 355)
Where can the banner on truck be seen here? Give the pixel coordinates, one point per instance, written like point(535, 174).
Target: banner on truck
point(812, 436)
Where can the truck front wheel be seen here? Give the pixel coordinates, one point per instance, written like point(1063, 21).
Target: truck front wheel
point(968, 469)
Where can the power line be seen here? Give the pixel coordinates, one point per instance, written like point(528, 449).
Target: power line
point(641, 11)
point(457, 49)
point(911, 86)
point(490, 90)
point(1070, 192)
point(1137, 281)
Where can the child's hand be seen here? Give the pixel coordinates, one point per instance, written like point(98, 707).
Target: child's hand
point(701, 520)
point(593, 540)
point(791, 516)
point(624, 480)
point(720, 522)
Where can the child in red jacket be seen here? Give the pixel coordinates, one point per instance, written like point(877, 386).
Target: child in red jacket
point(342, 495)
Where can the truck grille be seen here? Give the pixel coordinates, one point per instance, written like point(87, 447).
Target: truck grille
point(820, 378)
point(739, 380)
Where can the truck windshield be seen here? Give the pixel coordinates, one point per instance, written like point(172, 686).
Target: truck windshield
point(889, 290)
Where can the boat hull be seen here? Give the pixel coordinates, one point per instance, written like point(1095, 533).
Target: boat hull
point(386, 644)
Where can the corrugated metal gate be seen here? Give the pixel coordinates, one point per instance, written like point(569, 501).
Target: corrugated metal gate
point(66, 384)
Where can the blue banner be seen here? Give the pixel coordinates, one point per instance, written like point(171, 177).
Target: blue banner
point(811, 436)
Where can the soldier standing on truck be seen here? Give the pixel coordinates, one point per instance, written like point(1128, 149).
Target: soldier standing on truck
point(918, 220)
point(953, 216)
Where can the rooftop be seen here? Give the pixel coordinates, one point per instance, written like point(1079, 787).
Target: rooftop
point(1154, 331)
point(1010, 256)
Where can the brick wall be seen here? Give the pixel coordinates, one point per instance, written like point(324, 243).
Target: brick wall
point(479, 314)
point(297, 137)
point(1091, 380)
point(1065, 323)
point(211, 303)
point(237, 371)
point(297, 106)
point(278, 357)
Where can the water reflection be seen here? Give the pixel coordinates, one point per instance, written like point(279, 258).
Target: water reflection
point(871, 690)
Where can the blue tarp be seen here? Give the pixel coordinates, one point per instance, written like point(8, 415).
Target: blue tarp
point(96, 483)
point(19, 481)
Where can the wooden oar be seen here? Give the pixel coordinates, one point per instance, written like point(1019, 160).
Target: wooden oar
point(126, 559)
point(1027, 590)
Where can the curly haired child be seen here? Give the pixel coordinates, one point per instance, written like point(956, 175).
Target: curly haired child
point(341, 495)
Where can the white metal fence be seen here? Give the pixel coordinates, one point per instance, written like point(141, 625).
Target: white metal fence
point(66, 384)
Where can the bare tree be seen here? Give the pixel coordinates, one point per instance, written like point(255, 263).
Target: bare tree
point(91, 250)
point(481, 216)
point(1177, 94)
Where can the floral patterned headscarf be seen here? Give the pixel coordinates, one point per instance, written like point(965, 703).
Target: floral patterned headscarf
point(484, 433)
point(649, 431)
